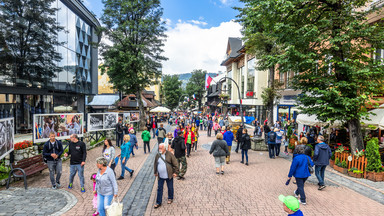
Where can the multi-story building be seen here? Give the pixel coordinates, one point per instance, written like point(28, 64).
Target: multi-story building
point(241, 67)
point(21, 98)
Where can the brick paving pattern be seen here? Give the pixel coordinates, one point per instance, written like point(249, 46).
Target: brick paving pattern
point(253, 190)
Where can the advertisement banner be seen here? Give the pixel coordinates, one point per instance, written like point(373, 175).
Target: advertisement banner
point(102, 121)
point(7, 135)
point(62, 124)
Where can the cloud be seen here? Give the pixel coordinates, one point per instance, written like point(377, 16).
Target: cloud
point(189, 46)
point(197, 22)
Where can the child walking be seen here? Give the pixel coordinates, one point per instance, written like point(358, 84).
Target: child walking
point(94, 201)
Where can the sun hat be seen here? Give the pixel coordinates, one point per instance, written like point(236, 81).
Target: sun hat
point(290, 201)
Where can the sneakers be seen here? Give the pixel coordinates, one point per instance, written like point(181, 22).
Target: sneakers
point(132, 173)
point(246, 163)
point(321, 187)
point(58, 184)
point(180, 178)
point(222, 172)
point(82, 190)
point(242, 162)
point(294, 192)
point(54, 187)
point(120, 178)
point(70, 186)
point(303, 203)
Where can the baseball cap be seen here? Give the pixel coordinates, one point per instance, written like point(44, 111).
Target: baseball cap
point(290, 201)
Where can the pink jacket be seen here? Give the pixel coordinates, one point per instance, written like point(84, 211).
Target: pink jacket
point(216, 126)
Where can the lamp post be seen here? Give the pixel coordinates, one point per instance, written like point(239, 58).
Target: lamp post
point(238, 91)
point(183, 95)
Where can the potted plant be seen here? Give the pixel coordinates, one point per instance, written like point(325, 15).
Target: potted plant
point(354, 172)
point(341, 166)
point(332, 160)
point(374, 167)
point(291, 147)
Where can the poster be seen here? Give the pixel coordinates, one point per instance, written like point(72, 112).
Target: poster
point(62, 124)
point(125, 116)
point(135, 116)
point(102, 121)
point(6, 136)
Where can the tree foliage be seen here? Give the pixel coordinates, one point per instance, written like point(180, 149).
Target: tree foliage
point(329, 44)
point(136, 31)
point(195, 85)
point(172, 90)
point(28, 41)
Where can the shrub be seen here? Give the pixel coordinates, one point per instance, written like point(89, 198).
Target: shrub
point(337, 161)
point(333, 156)
point(344, 164)
point(373, 155)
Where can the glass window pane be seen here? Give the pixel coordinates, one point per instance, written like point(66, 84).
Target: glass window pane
point(71, 70)
point(63, 74)
point(62, 21)
point(71, 30)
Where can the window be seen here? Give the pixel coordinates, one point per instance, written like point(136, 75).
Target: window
point(379, 54)
point(242, 81)
point(6, 97)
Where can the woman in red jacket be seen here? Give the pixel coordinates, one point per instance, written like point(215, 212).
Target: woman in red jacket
point(189, 138)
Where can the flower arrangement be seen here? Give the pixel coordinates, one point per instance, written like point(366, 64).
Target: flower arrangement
point(22, 145)
point(341, 148)
point(359, 153)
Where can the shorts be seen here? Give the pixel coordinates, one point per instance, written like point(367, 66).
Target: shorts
point(220, 161)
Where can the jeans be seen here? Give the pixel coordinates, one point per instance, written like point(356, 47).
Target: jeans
point(123, 167)
point(119, 139)
point(102, 202)
point(154, 132)
point(271, 150)
point(319, 172)
point(72, 172)
point(209, 131)
point(228, 158)
point(55, 167)
point(244, 152)
point(201, 127)
point(277, 148)
point(195, 145)
point(146, 144)
point(238, 146)
point(300, 188)
point(160, 186)
point(131, 148)
point(189, 149)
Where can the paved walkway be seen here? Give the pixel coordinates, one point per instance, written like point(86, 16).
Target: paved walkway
point(253, 190)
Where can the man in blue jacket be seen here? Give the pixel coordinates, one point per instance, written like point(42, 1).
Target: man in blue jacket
point(271, 137)
point(52, 151)
point(321, 159)
point(228, 137)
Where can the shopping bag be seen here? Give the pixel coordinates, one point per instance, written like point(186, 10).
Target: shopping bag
point(115, 209)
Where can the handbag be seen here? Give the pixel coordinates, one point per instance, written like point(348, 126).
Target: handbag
point(115, 209)
point(310, 168)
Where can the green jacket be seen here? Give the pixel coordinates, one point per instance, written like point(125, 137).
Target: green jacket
point(146, 136)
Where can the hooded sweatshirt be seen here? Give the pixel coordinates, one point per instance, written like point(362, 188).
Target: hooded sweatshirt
point(322, 154)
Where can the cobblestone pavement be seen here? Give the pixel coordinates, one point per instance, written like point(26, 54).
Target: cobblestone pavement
point(254, 189)
point(35, 201)
point(84, 200)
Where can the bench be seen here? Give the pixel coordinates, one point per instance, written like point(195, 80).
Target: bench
point(26, 167)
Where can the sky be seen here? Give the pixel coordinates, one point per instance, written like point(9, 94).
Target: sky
point(197, 31)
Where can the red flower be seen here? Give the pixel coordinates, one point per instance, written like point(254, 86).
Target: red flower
point(363, 150)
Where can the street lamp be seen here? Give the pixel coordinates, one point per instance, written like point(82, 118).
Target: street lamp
point(181, 97)
point(238, 91)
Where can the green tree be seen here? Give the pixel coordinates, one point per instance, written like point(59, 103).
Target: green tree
point(172, 91)
point(195, 86)
point(329, 44)
point(136, 31)
point(259, 42)
point(28, 41)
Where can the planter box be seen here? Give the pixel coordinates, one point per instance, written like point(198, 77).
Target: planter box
point(258, 144)
point(355, 175)
point(293, 141)
point(374, 176)
point(340, 169)
point(331, 163)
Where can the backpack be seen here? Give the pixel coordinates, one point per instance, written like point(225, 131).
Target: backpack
point(272, 137)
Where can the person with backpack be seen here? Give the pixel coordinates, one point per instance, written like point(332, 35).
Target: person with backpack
point(267, 129)
point(245, 145)
point(210, 126)
point(271, 136)
point(51, 152)
point(119, 133)
point(228, 137)
point(321, 159)
point(279, 137)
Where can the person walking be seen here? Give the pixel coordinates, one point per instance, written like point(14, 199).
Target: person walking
point(279, 137)
point(106, 185)
point(178, 146)
point(109, 154)
point(154, 125)
point(52, 151)
point(300, 170)
point(216, 127)
point(201, 123)
point(205, 123)
point(196, 132)
point(228, 137)
point(168, 142)
point(78, 152)
point(148, 125)
point(271, 136)
point(165, 168)
point(266, 129)
point(124, 157)
point(210, 126)
point(132, 140)
point(146, 136)
point(176, 130)
point(239, 138)
point(189, 138)
point(219, 149)
point(321, 158)
point(119, 133)
point(246, 144)
point(161, 134)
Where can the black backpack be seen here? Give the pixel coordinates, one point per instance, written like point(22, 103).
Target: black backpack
point(272, 136)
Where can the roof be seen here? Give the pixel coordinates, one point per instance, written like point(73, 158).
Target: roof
point(126, 102)
point(103, 100)
point(233, 47)
point(214, 94)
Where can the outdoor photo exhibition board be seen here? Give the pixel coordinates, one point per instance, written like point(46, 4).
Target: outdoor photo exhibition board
point(125, 116)
point(62, 124)
point(6, 136)
point(102, 121)
point(135, 116)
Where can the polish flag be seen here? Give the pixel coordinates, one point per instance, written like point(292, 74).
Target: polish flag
point(194, 97)
point(208, 81)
